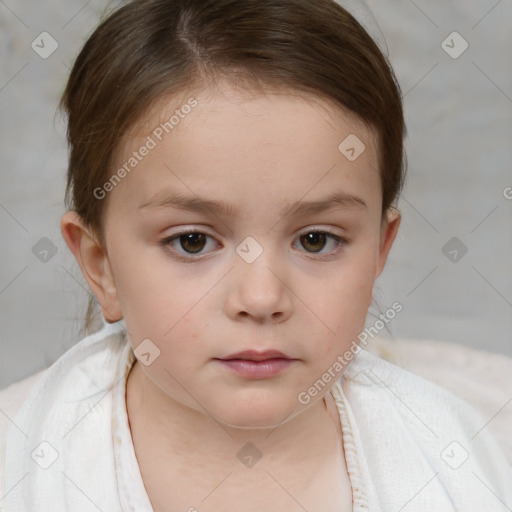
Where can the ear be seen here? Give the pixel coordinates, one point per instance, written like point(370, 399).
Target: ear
point(93, 261)
point(389, 230)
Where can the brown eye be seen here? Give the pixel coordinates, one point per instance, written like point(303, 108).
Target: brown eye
point(314, 241)
point(193, 242)
point(187, 243)
point(322, 244)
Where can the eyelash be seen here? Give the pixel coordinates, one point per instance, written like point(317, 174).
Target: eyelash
point(341, 242)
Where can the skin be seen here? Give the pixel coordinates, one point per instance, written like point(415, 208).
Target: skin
point(261, 154)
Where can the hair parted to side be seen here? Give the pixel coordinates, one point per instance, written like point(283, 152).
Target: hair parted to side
point(150, 49)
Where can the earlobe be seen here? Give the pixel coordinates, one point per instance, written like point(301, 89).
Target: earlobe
point(388, 234)
point(94, 263)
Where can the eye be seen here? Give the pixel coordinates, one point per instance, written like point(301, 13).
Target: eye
point(191, 242)
point(186, 244)
point(316, 240)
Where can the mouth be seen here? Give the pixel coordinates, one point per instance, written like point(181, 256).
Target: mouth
point(253, 364)
point(254, 355)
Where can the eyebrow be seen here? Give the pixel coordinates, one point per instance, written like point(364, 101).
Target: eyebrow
point(203, 205)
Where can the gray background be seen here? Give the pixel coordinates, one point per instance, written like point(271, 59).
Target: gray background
point(459, 120)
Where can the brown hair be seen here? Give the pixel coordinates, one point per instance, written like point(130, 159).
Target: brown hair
point(148, 49)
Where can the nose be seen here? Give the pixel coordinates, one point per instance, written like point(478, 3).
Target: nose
point(259, 291)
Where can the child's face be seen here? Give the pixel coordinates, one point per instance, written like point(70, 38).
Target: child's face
point(208, 297)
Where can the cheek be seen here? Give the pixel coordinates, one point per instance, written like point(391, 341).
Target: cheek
point(171, 318)
point(146, 287)
point(342, 305)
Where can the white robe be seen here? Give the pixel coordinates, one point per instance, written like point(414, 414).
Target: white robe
point(409, 444)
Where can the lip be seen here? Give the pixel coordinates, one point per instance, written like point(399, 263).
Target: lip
point(255, 355)
point(253, 364)
point(250, 369)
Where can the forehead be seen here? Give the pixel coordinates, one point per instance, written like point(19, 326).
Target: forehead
point(224, 103)
point(234, 140)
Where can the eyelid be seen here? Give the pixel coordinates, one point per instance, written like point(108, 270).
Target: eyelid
point(323, 229)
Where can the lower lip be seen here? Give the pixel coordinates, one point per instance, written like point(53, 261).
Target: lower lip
point(257, 369)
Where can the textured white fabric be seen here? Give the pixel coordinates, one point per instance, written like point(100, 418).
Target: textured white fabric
point(69, 411)
point(402, 437)
point(483, 379)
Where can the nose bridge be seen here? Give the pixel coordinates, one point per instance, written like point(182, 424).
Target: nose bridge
point(260, 285)
point(258, 262)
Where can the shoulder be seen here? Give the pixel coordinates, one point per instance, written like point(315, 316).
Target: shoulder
point(406, 420)
point(412, 394)
point(82, 371)
point(480, 378)
point(11, 400)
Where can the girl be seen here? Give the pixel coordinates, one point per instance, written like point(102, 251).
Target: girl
point(234, 170)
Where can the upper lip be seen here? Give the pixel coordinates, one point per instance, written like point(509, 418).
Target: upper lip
point(255, 355)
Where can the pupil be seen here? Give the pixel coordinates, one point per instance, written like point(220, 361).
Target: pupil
point(191, 240)
point(314, 239)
